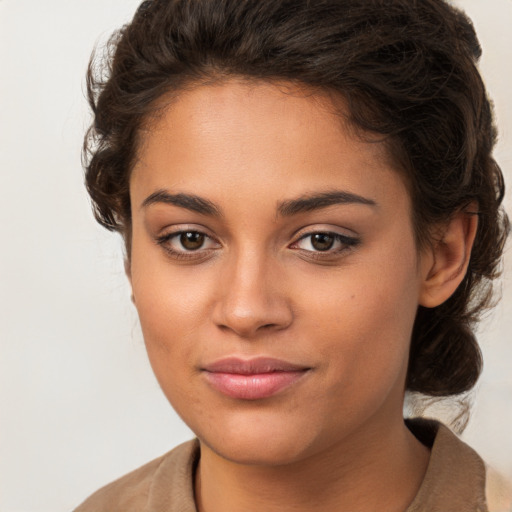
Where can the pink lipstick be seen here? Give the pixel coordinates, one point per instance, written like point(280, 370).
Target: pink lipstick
point(252, 379)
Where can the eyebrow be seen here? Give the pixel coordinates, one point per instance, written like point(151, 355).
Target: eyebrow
point(306, 203)
point(312, 202)
point(188, 201)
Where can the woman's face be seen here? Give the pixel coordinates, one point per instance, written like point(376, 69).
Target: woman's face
point(274, 270)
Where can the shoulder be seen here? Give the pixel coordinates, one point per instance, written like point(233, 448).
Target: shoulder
point(135, 491)
point(457, 479)
point(498, 491)
point(127, 493)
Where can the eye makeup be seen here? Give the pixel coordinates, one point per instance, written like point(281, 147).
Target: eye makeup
point(196, 245)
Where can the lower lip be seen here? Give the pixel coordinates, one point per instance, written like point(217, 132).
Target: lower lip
point(252, 387)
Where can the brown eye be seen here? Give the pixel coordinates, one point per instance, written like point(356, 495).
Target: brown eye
point(188, 244)
point(322, 241)
point(192, 240)
point(326, 242)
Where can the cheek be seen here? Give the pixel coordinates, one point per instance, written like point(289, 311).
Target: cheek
point(167, 304)
point(363, 320)
point(168, 313)
point(163, 292)
point(173, 315)
point(170, 339)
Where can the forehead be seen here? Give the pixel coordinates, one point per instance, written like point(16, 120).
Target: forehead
point(262, 135)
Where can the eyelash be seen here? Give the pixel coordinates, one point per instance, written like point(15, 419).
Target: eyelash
point(164, 242)
point(347, 243)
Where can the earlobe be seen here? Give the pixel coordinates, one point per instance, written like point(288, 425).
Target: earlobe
point(128, 269)
point(449, 258)
point(128, 272)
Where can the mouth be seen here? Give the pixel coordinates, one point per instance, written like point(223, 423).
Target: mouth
point(252, 379)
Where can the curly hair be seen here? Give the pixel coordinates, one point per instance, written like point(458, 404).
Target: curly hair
point(405, 68)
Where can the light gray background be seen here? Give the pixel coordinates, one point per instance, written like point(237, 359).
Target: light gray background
point(78, 403)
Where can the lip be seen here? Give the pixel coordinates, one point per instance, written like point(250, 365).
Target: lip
point(252, 379)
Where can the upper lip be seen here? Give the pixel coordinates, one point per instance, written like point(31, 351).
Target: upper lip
point(237, 365)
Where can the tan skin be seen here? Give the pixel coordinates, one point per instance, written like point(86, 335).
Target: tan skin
point(334, 289)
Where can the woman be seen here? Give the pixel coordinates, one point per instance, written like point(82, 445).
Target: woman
point(312, 221)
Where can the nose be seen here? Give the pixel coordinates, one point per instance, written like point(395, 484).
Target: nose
point(252, 298)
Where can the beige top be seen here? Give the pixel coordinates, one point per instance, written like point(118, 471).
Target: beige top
point(456, 480)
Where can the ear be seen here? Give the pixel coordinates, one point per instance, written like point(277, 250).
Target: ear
point(446, 261)
point(128, 272)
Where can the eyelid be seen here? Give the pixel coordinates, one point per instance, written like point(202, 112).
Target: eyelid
point(168, 235)
point(347, 241)
point(332, 229)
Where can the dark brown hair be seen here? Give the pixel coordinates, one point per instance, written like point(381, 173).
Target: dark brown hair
point(405, 68)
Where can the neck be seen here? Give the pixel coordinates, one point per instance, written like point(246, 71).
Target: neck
point(382, 471)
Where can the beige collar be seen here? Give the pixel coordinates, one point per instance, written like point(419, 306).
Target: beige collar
point(455, 477)
point(454, 482)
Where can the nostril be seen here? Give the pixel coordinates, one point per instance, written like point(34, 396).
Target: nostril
point(225, 327)
point(249, 310)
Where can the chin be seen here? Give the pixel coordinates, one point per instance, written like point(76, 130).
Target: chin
point(257, 452)
point(259, 440)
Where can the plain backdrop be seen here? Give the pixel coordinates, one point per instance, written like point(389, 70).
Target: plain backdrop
point(78, 403)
